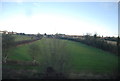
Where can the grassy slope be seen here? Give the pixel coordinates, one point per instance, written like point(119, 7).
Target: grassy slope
point(88, 58)
point(83, 57)
point(20, 53)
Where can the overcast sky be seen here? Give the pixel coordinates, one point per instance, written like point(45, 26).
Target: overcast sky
point(73, 18)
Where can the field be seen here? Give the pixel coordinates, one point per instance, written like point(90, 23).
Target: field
point(81, 59)
point(21, 37)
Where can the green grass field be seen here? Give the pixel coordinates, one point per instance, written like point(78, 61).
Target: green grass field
point(21, 37)
point(82, 58)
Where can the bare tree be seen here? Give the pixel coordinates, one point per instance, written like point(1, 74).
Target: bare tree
point(55, 56)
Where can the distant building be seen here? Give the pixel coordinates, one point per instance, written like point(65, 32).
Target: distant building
point(4, 32)
point(10, 32)
point(14, 32)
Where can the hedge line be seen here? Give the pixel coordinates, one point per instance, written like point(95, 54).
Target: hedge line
point(98, 43)
point(25, 41)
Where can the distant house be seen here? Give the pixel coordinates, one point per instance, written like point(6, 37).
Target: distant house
point(10, 32)
point(4, 32)
point(14, 32)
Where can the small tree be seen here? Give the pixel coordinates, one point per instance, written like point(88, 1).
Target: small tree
point(8, 42)
point(45, 34)
point(39, 36)
point(34, 51)
point(95, 35)
point(56, 57)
